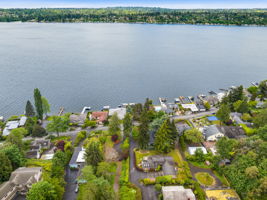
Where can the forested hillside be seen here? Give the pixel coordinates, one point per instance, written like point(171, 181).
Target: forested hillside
point(138, 15)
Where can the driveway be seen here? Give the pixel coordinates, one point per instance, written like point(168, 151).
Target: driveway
point(148, 192)
point(70, 178)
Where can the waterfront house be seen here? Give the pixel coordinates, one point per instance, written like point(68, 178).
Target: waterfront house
point(20, 182)
point(212, 133)
point(10, 125)
point(100, 116)
point(177, 193)
point(121, 112)
point(77, 118)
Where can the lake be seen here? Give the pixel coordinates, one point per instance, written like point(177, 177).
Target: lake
point(77, 65)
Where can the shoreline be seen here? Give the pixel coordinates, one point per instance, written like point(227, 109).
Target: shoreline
point(136, 23)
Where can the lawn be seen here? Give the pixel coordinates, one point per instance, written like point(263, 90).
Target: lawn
point(200, 165)
point(176, 157)
point(140, 154)
point(60, 138)
point(248, 131)
point(45, 164)
point(205, 179)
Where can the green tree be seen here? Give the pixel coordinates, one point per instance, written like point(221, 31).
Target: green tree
point(193, 135)
point(241, 106)
point(29, 110)
point(263, 89)
point(127, 124)
point(261, 118)
point(135, 133)
point(38, 103)
point(42, 191)
point(147, 104)
point(5, 167)
point(14, 155)
point(93, 154)
point(15, 137)
point(59, 161)
point(207, 105)
point(88, 173)
point(163, 140)
point(225, 147)
point(58, 124)
point(46, 105)
point(223, 113)
point(30, 124)
point(38, 131)
point(106, 170)
point(262, 132)
point(252, 172)
point(199, 155)
point(143, 138)
point(114, 124)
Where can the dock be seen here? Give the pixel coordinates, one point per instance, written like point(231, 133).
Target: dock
point(61, 110)
point(85, 109)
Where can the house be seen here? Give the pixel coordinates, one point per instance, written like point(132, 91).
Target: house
point(192, 150)
point(190, 106)
point(77, 118)
point(212, 100)
point(212, 133)
point(201, 107)
point(166, 162)
point(227, 194)
point(20, 182)
point(236, 117)
point(260, 104)
point(181, 127)
point(235, 132)
point(185, 100)
point(100, 116)
point(78, 158)
point(121, 112)
point(10, 125)
point(177, 193)
point(36, 148)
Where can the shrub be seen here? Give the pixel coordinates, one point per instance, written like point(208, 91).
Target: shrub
point(164, 179)
point(88, 123)
point(114, 137)
point(148, 181)
point(124, 178)
point(158, 187)
point(80, 136)
point(135, 133)
point(38, 131)
point(60, 145)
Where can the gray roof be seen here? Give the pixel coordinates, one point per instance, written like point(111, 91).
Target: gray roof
point(233, 131)
point(211, 130)
point(75, 155)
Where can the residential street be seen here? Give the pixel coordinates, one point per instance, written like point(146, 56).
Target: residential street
point(197, 115)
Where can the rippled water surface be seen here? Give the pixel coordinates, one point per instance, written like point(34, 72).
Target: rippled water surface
point(77, 65)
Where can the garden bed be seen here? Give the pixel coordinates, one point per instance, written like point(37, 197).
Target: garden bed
point(205, 179)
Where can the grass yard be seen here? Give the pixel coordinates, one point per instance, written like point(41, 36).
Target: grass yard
point(45, 164)
point(248, 131)
point(140, 154)
point(205, 179)
point(200, 165)
point(60, 138)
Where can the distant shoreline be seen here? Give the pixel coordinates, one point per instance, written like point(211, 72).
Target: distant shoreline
point(136, 23)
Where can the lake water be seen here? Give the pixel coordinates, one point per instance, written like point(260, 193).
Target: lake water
point(77, 65)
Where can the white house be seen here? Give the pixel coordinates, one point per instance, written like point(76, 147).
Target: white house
point(177, 193)
point(190, 106)
point(212, 133)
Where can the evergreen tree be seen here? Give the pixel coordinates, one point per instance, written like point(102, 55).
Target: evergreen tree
point(38, 103)
point(127, 124)
point(29, 125)
point(46, 105)
point(93, 154)
point(114, 124)
point(174, 132)
point(163, 140)
point(5, 167)
point(29, 110)
point(224, 113)
point(143, 137)
point(147, 104)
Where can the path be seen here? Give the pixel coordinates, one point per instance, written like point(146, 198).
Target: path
point(116, 185)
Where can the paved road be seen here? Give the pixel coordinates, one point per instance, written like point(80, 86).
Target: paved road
point(197, 115)
point(148, 192)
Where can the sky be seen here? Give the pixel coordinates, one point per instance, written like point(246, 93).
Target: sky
point(143, 3)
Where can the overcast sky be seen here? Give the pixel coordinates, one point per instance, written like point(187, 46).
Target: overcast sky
point(151, 3)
